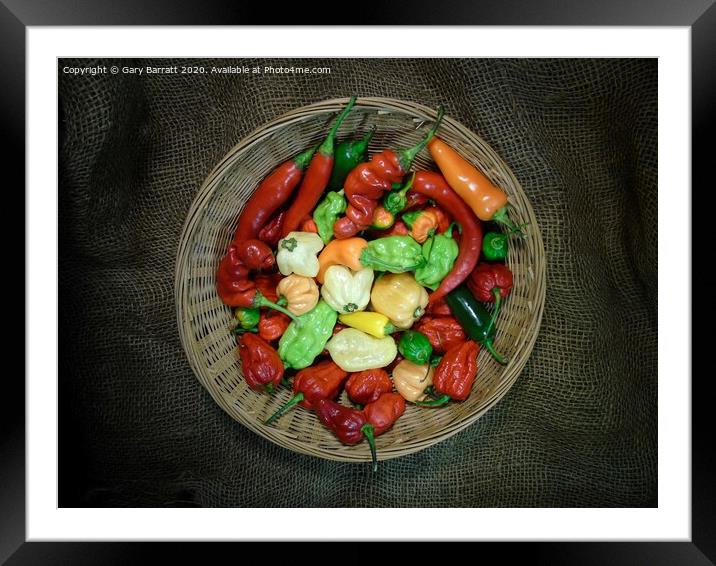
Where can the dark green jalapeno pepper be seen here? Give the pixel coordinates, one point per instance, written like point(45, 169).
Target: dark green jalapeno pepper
point(348, 154)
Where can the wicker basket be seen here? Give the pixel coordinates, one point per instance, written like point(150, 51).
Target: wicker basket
point(205, 322)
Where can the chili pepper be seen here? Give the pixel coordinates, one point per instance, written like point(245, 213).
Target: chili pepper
point(234, 286)
point(316, 179)
point(367, 183)
point(273, 191)
point(349, 425)
point(400, 298)
point(354, 350)
point(383, 412)
point(488, 278)
point(495, 244)
point(328, 210)
point(345, 290)
point(455, 374)
point(267, 283)
point(302, 342)
point(348, 155)
point(341, 252)
point(247, 317)
point(308, 225)
point(322, 381)
point(364, 387)
point(372, 323)
point(440, 252)
point(443, 333)
point(382, 219)
point(272, 325)
point(415, 347)
point(261, 365)
point(396, 201)
point(434, 186)
point(415, 200)
point(301, 293)
point(396, 254)
point(398, 229)
point(255, 254)
point(474, 318)
point(298, 253)
point(271, 232)
point(439, 308)
point(411, 380)
point(424, 222)
point(487, 201)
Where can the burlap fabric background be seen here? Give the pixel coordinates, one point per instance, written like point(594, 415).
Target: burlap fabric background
point(579, 427)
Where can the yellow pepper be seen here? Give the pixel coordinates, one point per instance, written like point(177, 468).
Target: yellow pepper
point(372, 323)
point(353, 350)
point(301, 293)
point(399, 297)
point(411, 380)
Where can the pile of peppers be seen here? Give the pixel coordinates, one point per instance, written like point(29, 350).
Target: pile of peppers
point(361, 285)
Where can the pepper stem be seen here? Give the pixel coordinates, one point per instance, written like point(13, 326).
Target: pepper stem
point(406, 156)
point(367, 430)
point(498, 303)
point(303, 159)
point(440, 401)
point(327, 146)
point(450, 228)
point(295, 400)
point(501, 217)
point(239, 330)
point(366, 139)
point(490, 348)
point(261, 301)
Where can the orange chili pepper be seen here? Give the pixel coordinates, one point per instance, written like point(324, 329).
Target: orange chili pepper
point(341, 252)
point(308, 225)
point(487, 201)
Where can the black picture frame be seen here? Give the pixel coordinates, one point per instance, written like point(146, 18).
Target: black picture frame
point(16, 15)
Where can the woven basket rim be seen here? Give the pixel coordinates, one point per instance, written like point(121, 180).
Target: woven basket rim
point(206, 191)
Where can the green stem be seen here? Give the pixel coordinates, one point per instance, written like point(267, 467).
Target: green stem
point(303, 159)
point(327, 146)
point(440, 401)
point(406, 156)
point(498, 303)
point(269, 387)
point(366, 139)
point(500, 358)
point(367, 430)
point(295, 400)
point(389, 328)
point(239, 330)
point(501, 217)
point(449, 230)
point(261, 301)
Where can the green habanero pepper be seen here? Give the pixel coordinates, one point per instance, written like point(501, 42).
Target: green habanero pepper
point(348, 154)
point(247, 317)
point(440, 252)
point(494, 244)
point(474, 318)
point(415, 347)
point(396, 254)
point(327, 212)
point(300, 345)
point(395, 201)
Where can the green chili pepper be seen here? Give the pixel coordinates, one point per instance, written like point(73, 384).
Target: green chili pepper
point(300, 344)
point(396, 254)
point(440, 252)
point(248, 317)
point(415, 347)
point(348, 154)
point(395, 200)
point(327, 212)
point(474, 318)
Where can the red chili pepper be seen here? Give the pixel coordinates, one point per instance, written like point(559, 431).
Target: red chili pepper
point(455, 374)
point(434, 186)
point(255, 254)
point(271, 232)
point(489, 280)
point(443, 333)
point(272, 325)
point(267, 283)
point(262, 366)
point(397, 229)
point(438, 308)
point(349, 425)
point(316, 179)
point(365, 184)
point(364, 387)
point(273, 191)
point(415, 200)
point(322, 381)
point(383, 412)
point(308, 224)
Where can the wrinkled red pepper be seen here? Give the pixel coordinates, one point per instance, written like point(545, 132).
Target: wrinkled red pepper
point(443, 332)
point(260, 362)
point(272, 325)
point(321, 381)
point(383, 412)
point(489, 280)
point(438, 308)
point(366, 386)
point(271, 232)
point(455, 374)
point(366, 184)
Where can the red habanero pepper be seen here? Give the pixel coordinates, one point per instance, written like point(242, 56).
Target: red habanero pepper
point(316, 179)
point(490, 282)
point(443, 333)
point(398, 229)
point(383, 412)
point(349, 425)
point(322, 381)
point(434, 186)
point(455, 374)
point(438, 308)
point(272, 325)
point(366, 386)
point(368, 181)
point(415, 200)
point(271, 193)
point(260, 362)
point(271, 232)
point(267, 283)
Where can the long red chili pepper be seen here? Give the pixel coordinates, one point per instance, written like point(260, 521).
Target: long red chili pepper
point(434, 186)
point(316, 179)
point(273, 191)
point(366, 184)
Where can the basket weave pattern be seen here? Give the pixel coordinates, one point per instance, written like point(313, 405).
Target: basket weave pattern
point(205, 322)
